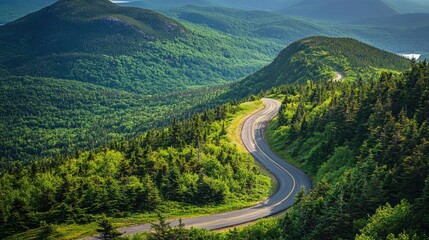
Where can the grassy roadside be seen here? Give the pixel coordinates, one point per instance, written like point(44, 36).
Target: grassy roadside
point(236, 121)
point(234, 133)
point(169, 210)
point(277, 145)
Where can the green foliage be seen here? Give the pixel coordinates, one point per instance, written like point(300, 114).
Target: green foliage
point(260, 24)
point(366, 144)
point(387, 221)
point(163, 230)
point(53, 117)
point(126, 48)
point(106, 230)
point(316, 59)
point(192, 162)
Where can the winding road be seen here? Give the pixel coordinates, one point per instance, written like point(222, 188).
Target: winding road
point(290, 179)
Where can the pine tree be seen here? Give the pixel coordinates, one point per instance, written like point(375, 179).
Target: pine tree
point(106, 230)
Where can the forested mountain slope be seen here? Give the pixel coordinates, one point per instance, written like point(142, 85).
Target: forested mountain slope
point(366, 145)
point(191, 165)
point(125, 48)
point(402, 33)
point(46, 117)
point(92, 26)
point(259, 24)
point(316, 59)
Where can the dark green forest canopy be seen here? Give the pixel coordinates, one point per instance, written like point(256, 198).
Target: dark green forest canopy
point(126, 48)
point(191, 162)
point(47, 117)
point(52, 117)
point(316, 59)
point(260, 24)
point(365, 144)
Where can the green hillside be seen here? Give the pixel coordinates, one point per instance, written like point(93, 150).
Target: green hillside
point(190, 168)
point(252, 23)
point(365, 146)
point(95, 26)
point(125, 48)
point(317, 58)
point(52, 117)
point(81, 98)
point(167, 4)
point(399, 33)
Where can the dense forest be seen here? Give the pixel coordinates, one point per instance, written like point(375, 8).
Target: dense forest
point(54, 117)
point(259, 24)
point(126, 48)
point(117, 112)
point(47, 117)
point(191, 161)
point(365, 146)
point(316, 59)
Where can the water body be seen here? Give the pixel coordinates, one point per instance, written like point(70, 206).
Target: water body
point(410, 55)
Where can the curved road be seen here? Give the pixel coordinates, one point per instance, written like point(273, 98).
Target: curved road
point(290, 179)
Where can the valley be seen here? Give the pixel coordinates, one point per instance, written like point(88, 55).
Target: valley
point(273, 120)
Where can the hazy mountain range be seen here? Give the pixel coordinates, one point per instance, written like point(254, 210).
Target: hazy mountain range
point(331, 9)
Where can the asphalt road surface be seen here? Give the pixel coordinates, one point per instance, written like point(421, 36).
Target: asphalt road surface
point(290, 180)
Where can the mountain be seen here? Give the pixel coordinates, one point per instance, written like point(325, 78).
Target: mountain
point(409, 6)
point(365, 147)
point(94, 80)
point(339, 10)
point(410, 20)
point(166, 4)
point(269, 5)
point(83, 25)
point(403, 37)
point(51, 117)
point(259, 24)
point(125, 48)
point(316, 59)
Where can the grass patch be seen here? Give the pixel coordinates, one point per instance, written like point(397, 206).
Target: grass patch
point(235, 124)
point(277, 144)
point(236, 121)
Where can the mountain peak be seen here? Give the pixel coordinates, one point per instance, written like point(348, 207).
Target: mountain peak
point(88, 26)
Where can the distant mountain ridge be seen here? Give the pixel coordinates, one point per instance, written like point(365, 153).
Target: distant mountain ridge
point(252, 23)
point(340, 10)
point(401, 20)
